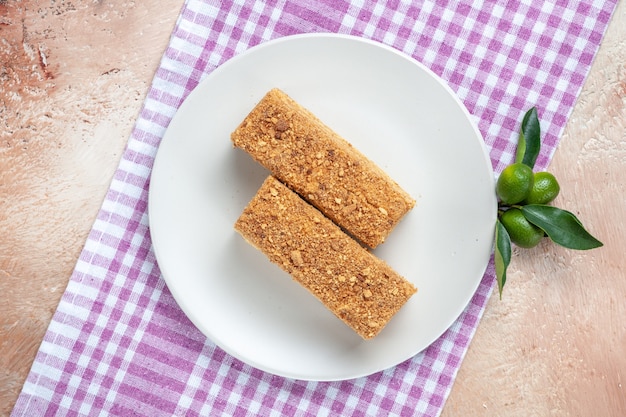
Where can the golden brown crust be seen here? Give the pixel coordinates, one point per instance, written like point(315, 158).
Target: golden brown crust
point(323, 168)
point(359, 288)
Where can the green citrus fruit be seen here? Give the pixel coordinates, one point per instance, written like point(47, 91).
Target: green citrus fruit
point(523, 233)
point(514, 183)
point(545, 189)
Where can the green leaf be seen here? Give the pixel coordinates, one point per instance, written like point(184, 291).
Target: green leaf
point(502, 254)
point(529, 142)
point(561, 226)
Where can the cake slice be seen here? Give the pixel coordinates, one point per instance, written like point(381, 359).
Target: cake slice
point(323, 168)
point(359, 288)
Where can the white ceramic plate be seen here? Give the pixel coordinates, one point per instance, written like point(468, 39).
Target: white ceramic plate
point(394, 110)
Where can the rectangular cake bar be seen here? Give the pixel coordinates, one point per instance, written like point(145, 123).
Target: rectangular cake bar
point(359, 288)
point(323, 168)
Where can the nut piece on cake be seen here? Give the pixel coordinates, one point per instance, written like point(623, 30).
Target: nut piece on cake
point(359, 288)
point(323, 168)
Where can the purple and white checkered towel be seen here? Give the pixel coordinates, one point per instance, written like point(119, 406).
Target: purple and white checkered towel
point(120, 345)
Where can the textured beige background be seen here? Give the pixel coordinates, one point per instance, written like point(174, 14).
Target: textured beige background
point(73, 77)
